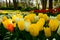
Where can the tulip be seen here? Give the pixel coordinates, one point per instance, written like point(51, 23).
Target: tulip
point(34, 30)
point(10, 27)
point(6, 22)
point(58, 17)
point(21, 25)
point(32, 17)
point(47, 31)
point(53, 24)
point(27, 26)
point(36, 18)
point(40, 15)
point(41, 23)
point(4, 18)
point(45, 17)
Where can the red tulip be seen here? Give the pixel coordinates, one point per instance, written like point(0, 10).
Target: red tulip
point(58, 9)
point(42, 11)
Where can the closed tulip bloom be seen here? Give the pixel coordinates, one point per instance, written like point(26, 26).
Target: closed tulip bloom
point(21, 25)
point(34, 30)
point(6, 22)
point(32, 17)
point(41, 23)
point(53, 24)
point(36, 18)
point(26, 25)
point(40, 15)
point(10, 27)
point(45, 16)
point(47, 31)
point(26, 18)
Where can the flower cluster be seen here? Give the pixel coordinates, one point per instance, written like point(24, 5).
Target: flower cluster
point(32, 23)
point(47, 10)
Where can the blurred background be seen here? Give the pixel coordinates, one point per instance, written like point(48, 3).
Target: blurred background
point(39, 4)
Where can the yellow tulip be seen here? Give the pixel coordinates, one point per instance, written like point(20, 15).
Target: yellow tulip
point(53, 24)
point(14, 17)
point(41, 23)
point(34, 30)
point(14, 24)
point(58, 17)
point(26, 18)
point(40, 15)
point(6, 22)
point(45, 16)
point(18, 15)
point(4, 18)
point(31, 17)
point(21, 25)
point(47, 31)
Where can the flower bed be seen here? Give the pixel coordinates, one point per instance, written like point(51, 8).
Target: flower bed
point(30, 27)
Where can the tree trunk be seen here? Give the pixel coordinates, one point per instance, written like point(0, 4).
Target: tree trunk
point(44, 4)
point(15, 4)
point(9, 3)
point(6, 4)
point(50, 4)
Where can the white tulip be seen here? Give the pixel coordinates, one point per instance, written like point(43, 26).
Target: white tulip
point(52, 17)
point(36, 17)
point(27, 24)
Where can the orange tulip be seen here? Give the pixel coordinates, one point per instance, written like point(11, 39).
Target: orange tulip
point(10, 27)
